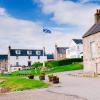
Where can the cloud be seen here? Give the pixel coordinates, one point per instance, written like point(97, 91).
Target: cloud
point(2, 12)
point(27, 34)
point(69, 12)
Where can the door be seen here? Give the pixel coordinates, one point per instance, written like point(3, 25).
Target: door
point(29, 63)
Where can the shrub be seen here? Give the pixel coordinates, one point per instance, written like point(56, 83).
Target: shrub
point(36, 65)
point(63, 62)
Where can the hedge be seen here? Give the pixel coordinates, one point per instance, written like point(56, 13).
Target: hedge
point(63, 62)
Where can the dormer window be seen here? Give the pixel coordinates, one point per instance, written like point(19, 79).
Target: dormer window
point(38, 53)
point(29, 52)
point(18, 51)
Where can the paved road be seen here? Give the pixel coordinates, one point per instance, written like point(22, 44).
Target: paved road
point(39, 94)
point(88, 88)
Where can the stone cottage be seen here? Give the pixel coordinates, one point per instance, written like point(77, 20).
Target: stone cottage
point(60, 52)
point(3, 62)
point(91, 47)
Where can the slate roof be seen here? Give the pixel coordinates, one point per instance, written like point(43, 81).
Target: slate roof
point(78, 41)
point(23, 52)
point(93, 30)
point(3, 57)
point(50, 56)
point(61, 50)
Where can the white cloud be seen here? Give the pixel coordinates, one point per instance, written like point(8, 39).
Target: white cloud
point(2, 12)
point(68, 12)
point(27, 34)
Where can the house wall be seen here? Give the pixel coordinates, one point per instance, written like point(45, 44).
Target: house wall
point(74, 50)
point(91, 64)
point(23, 61)
point(61, 56)
point(3, 65)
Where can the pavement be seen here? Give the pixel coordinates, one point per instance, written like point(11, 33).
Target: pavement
point(69, 88)
point(38, 94)
point(85, 87)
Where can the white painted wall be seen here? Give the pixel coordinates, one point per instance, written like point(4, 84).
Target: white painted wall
point(74, 50)
point(23, 60)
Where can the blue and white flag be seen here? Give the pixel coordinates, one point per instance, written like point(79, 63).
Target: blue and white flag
point(45, 30)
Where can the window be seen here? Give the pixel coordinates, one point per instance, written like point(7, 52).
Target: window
point(17, 64)
point(18, 52)
point(38, 52)
point(93, 49)
point(38, 57)
point(29, 57)
point(16, 57)
point(29, 52)
point(78, 47)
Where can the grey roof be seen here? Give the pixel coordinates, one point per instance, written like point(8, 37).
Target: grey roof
point(3, 57)
point(23, 52)
point(78, 41)
point(61, 50)
point(93, 30)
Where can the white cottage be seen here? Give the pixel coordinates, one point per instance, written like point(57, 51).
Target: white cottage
point(21, 58)
point(75, 49)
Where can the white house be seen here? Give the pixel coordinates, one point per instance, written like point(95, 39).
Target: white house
point(20, 58)
point(75, 49)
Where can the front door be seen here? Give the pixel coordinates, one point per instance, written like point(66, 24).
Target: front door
point(29, 63)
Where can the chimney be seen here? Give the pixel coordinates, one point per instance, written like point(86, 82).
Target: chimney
point(97, 15)
point(9, 47)
point(56, 46)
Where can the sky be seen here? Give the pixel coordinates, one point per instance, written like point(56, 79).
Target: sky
point(22, 22)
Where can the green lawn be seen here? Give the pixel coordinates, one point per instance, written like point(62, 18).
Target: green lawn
point(70, 67)
point(21, 83)
point(16, 83)
point(66, 68)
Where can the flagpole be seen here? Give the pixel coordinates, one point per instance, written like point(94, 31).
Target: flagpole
point(43, 56)
point(47, 31)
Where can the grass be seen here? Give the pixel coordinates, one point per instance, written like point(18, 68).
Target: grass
point(70, 67)
point(16, 83)
point(66, 68)
point(21, 83)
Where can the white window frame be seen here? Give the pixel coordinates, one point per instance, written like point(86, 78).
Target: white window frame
point(93, 49)
point(29, 52)
point(18, 52)
point(38, 52)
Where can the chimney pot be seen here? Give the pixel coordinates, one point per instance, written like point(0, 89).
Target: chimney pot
point(97, 11)
point(97, 16)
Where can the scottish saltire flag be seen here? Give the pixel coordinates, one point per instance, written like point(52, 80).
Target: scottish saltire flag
point(45, 30)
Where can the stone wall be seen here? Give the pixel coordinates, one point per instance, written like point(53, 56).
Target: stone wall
point(91, 64)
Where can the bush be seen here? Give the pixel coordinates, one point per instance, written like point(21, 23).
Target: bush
point(63, 62)
point(36, 65)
